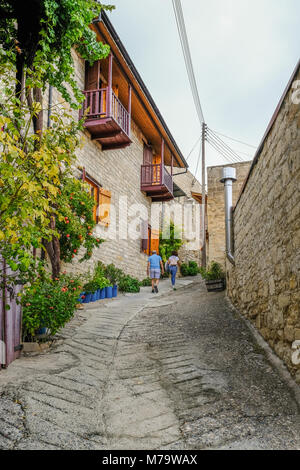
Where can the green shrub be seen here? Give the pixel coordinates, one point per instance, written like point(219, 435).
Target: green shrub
point(113, 274)
point(193, 268)
point(102, 282)
point(129, 284)
point(214, 272)
point(146, 282)
point(49, 304)
point(184, 269)
point(91, 287)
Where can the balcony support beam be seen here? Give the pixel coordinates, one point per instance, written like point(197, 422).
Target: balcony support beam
point(109, 89)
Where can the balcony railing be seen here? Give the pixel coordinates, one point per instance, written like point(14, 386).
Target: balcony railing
point(102, 104)
point(156, 178)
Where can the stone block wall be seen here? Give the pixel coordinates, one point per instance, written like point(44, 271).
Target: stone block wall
point(216, 207)
point(265, 282)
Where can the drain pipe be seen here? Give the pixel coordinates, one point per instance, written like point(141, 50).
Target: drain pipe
point(229, 177)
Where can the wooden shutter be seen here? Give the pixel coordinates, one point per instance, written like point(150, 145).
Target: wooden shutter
point(148, 156)
point(104, 207)
point(156, 170)
point(154, 241)
point(92, 76)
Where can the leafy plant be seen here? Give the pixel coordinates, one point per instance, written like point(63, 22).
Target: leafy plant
point(75, 221)
point(91, 287)
point(146, 282)
point(190, 269)
point(169, 241)
point(113, 274)
point(102, 282)
point(129, 284)
point(49, 304)
point(214, 272)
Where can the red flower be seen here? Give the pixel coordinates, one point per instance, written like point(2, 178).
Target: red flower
point(75, 251)
point(83, 296)
point(51, 308)
point(68, 236)
point(27, 305)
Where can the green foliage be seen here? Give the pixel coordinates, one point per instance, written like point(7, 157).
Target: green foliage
point(113, 274)
point(102, 282)
point(146, 282)
point(75, 221)
point(91, 287)
point(190, 269)
point(49, 304)
point(129, 284)
point(169, 241)
point(42, 41)
point(213, 272)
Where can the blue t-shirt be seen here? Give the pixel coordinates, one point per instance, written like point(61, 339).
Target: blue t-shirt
point(154, 261)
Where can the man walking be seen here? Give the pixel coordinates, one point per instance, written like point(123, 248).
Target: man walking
point(155, 267)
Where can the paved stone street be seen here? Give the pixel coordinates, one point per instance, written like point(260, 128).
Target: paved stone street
point(177, 370)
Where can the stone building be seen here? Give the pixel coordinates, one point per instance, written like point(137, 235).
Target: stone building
point(216, 210)
point(128, 158)
point(264, 284)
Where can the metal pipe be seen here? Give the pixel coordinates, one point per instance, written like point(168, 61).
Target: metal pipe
point(229, 177)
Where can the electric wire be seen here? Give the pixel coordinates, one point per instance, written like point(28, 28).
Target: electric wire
point(223, 145)
point(187, 57)
point(235, 140)
point(194, 147)
point(223, 150)
point(220, 152)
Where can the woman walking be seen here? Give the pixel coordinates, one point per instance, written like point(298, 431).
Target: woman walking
point(173, 263)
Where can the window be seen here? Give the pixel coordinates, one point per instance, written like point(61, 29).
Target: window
point(102, 198)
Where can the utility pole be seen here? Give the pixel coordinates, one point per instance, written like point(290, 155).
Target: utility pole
point(203, 215)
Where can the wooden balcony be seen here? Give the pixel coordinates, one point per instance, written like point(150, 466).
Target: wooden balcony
point(157, 182)
point(107, 120)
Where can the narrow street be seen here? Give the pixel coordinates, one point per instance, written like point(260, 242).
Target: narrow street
point(177, 370)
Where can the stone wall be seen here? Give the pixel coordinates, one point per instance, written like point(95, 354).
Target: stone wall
point(216, 208)
point(265, 282)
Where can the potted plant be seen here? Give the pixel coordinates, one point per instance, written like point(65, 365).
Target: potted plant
point(214, 277)
point(90, 292)
point(102, 284)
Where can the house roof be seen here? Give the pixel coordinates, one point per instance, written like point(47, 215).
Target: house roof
point(107, 31)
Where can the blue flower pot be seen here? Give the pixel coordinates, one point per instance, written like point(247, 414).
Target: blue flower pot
point(115, 291)
point(108, 292)
point(94, 297)
point(87, 299)
point(102, 293)
point(98, 294)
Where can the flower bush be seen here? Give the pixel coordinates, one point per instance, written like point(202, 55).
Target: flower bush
point(49, 304)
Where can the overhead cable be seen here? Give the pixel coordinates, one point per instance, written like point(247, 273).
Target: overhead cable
point(187, 57)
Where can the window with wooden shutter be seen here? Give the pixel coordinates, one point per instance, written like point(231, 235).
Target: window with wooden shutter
point(94, 192)
point(104, 207)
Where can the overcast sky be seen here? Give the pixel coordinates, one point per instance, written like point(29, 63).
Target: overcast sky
point(243, 52)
